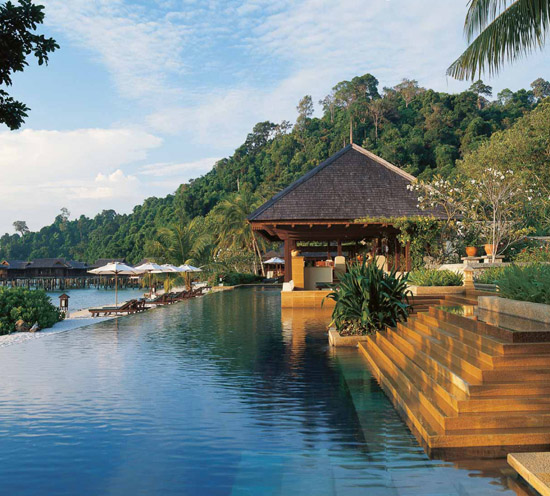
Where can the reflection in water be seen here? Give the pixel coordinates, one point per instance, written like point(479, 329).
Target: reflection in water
point(222, 395)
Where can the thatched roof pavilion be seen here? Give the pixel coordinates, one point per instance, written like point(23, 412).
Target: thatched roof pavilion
point(352, 196)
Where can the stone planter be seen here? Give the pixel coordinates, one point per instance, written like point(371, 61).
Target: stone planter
point(436, 290)
point(335, 339)
point(520, 309)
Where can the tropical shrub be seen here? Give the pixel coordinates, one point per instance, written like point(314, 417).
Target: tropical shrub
point(369, 299)
point(528, 283)
point(434, 277)
point(488, 276)
point(533, 254)
point(29, 305)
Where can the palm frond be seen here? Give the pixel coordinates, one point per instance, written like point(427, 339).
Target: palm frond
point(508, 31)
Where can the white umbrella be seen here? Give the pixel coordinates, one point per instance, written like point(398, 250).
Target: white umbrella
point(149, 268)
point(188, 268)
point(169, 268)
point(114, 268)
point(274, 261)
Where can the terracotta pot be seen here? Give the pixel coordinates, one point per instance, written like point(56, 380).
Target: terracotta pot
point(489, 248)
point(471, 251)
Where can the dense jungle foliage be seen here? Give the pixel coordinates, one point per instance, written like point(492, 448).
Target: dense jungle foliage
point(423, 131)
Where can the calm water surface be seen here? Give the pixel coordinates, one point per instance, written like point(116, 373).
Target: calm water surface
point(222, 395)
point(91, 297)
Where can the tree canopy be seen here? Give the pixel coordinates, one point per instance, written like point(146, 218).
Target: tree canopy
point(19, 41)
point(420, 130)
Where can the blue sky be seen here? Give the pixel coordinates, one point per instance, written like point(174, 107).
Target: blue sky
point(146, 94)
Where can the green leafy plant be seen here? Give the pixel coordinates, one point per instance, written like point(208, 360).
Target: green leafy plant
point(28, 305)
point(434, 277)
point(369, 299)
point(488, 276)
point(528, 283)
point(533, 254)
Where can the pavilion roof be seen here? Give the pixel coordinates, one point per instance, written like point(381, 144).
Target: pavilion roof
point(352, 184)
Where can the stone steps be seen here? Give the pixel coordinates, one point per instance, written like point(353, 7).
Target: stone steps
point(463, 386)
point(464, 431)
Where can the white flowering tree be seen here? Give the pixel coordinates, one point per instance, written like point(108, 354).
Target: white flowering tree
point(497, 200)
point(447, 196)
point(489, 201)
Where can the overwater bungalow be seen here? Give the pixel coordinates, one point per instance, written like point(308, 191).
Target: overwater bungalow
point(340, 210)
point(54, 267)
point(42, 268)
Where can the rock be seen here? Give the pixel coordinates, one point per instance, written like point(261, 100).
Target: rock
point(35, 328)
point(21, 326)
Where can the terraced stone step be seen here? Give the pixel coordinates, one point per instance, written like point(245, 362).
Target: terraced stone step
point(419, 331)
point(460, 368)
point(483, 328)
point(440, 391)
point(487, 344)
point(441, 374)
point(500, 420)
point(474, 431)
point(460, 300)
point(419, 421)
point(405, 384)
point(503, 404)
point(533, 388)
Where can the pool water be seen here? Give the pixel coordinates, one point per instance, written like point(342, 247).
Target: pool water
point(92, 297)
point(221, 395)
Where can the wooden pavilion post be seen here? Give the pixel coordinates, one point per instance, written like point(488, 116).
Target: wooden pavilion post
point(290, 244)
point(408, 256)
point(339, 252)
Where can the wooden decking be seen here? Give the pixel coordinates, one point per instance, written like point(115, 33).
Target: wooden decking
point(463, 384)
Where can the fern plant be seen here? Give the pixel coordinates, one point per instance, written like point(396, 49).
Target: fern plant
point(369, 299)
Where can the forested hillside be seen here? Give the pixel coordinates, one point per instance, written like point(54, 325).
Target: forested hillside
point(420, 130)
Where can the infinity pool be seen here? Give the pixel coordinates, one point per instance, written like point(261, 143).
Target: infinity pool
point(222, 395)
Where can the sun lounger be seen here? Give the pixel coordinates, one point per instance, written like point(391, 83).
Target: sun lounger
point(132, 306)
point(182, 295)
point(163, 299)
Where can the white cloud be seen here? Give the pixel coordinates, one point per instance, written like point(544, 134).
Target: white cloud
point(320, 43)
point(115, 185)
point(183, 171)
point(139, 51)
point(43, 171)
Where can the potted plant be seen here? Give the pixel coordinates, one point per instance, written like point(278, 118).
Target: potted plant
point(471, 251)
point(489, 249)
point(470, 232)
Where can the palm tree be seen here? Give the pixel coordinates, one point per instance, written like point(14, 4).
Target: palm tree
point(234, 231)
point(183, 242)
point(500, 31)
